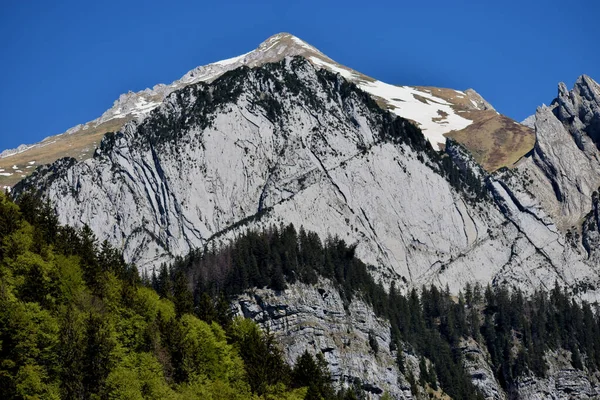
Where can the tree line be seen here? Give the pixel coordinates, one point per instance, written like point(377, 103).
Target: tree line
point(76, 321)
point(517, 330)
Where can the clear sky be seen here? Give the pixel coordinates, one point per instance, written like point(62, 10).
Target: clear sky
point(64, 62)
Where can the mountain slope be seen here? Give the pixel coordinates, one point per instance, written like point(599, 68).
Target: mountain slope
point(288, 142)
point(436, 111)
point(264, 145)
point(291, 142)
point(564, 166)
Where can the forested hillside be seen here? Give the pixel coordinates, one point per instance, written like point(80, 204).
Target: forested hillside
point(517, 330)
point(76, 322)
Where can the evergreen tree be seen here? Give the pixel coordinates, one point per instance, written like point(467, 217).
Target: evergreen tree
point(182, 296)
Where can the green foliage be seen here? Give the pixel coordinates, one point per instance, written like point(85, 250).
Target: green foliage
point(546, 321)
point(516, 331)
point(261, 354)
point(432, 323)
point(400, 360)
point(315, 375)
point(272, 259)
point(76, 323)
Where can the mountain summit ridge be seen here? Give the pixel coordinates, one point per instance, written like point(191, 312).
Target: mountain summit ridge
point(436, 111)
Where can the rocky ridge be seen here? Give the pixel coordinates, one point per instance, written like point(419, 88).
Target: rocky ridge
point(564, 163)
point(291, 145)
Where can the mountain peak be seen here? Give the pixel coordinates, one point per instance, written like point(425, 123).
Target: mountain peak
point(286, 40)
point(436, 111)
point(583, 82)
point(274, 49)
point(586, 80)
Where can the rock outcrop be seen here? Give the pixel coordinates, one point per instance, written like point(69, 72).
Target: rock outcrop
point(569, 174)
point(579, 110)
point(564, 167)
point(477, 364)
point(562, 382)
point(314, 318)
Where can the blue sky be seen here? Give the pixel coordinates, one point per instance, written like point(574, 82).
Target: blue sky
point(65, 62)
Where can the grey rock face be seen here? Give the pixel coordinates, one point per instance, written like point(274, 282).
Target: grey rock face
point(564, 165)
point(529, 121)
point(579, 110)
point(562, 382)
point(313, 318)
point(477, 364)
point(284, 145)
point(573, 174)
point(327, 171)
point(591, 231)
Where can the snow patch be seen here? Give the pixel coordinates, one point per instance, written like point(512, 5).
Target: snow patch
point(5, 174)
point(304, 44)
point(404, 103)
point(232, 60)
point(334, 68)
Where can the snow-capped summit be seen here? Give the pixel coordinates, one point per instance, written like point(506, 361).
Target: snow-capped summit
point(435, 115)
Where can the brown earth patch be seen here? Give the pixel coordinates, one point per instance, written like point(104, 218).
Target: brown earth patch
point(460, 101)
point(494, 140)
point(442, 116)
point(80, 145)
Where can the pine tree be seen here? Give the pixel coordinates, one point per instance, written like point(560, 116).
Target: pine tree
point(97, 354)
point(206, 309)
point(182, 296)
point(277, 279)
point(400, 360)
point(576, 358)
